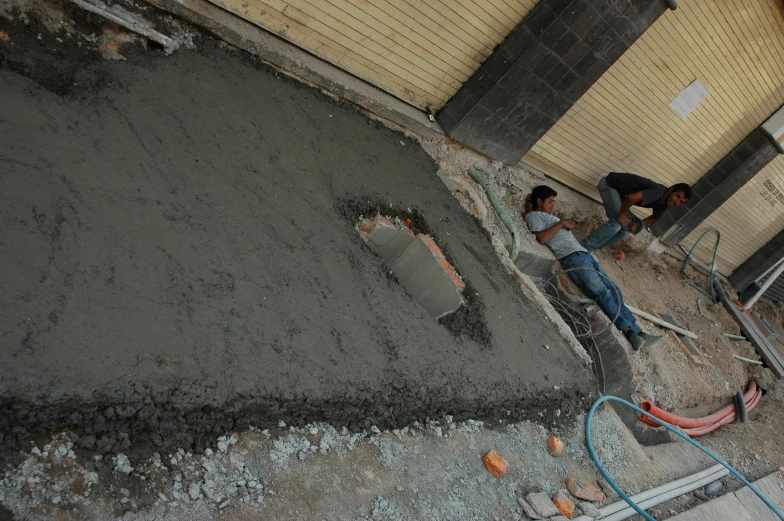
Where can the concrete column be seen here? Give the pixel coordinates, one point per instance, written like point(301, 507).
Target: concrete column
point(761, 261)
point(718, 185)
point(545, 65)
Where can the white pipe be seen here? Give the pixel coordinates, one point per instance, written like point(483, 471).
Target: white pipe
point(651, 318)
point(662, 489)
point(762, 276)
point(675, 492)
point(765, 286)
point(749, 360)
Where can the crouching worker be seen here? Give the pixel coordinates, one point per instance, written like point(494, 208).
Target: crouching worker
point(555, 233)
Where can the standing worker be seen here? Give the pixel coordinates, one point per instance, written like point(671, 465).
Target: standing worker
point(619, 193)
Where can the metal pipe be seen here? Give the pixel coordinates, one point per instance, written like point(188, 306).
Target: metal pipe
point(765, 286)
point(735, 337)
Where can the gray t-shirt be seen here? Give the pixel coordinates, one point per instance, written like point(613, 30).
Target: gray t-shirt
point(563, 242)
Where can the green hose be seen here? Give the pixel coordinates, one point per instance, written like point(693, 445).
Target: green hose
point(712, 294)
point(477, 176)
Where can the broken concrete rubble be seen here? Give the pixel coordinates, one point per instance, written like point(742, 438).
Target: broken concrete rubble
point(584, 490)
point(542, 504)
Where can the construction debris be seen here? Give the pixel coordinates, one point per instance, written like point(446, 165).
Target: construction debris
point(584, 490)
point(555, 446)
point(495, 463)
point(542, 505)
point(527, 508)
point(130, 21)
point(564, 504)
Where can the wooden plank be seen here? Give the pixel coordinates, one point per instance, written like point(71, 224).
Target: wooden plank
point(497, 34)
point(687, 348)
point(287, 27)
point(478, 17)
point(749, 33)
point(763, 348)
point(771, 487)
point(725, 508)
point(497, 10)
point(672, 61)
point(421, 31)
point(732, 55)
point(451, 22)
point(393, 38)
point(330, 21)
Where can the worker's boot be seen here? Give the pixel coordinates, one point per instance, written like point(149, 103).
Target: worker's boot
point(636, 340)
point(649, 339)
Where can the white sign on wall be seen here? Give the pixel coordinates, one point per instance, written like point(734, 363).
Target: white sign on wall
point(689, 98)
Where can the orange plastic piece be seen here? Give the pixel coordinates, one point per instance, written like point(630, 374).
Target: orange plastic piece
point(619, 255)
point(495, 463)
point(555, 446)
point(406, 222)
point(3, 36)
point(564, 504)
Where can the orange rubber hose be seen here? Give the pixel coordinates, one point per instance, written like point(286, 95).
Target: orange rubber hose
point(694, 423)
point(724, 421)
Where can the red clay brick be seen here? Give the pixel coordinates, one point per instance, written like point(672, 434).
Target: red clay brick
point(439, 255)
point(555, 446)
point(495, 463)
point(563, 503)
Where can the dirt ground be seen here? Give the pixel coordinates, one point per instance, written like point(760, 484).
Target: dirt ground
point(193, 329)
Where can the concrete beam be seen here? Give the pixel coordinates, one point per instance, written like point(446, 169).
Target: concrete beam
point(542, 68)
point(717, 186)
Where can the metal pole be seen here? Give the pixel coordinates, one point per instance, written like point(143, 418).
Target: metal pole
point(765, 286)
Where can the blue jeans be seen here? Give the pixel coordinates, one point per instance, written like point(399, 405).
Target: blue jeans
point(599, 288)
point(611, 231)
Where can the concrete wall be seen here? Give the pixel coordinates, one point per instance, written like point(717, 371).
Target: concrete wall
point(717, 186)
point(542, 68)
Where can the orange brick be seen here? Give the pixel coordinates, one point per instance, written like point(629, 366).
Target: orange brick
point(555, 446)
point(564, 504)
point(495, 463)
point(583, 490)
point(439, 255)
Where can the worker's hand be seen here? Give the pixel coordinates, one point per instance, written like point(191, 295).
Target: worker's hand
point(567, 223)
point(633, 228)
point(622, 219)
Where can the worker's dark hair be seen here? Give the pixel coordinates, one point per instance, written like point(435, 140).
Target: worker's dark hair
point(541, 192)
point(682, 187)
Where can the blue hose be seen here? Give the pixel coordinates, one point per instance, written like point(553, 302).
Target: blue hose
point(671, 429)
point(712, 294)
